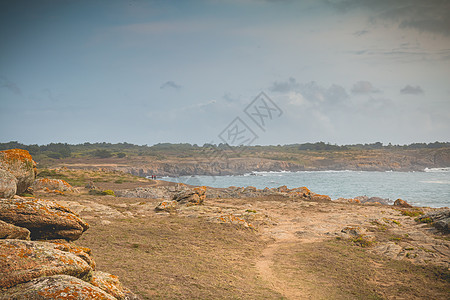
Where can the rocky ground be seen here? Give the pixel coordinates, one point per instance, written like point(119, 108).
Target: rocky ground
point(397, 256)
point(171, 241)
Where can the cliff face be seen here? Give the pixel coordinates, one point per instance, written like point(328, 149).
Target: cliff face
point(217, 168)
point(357, 161)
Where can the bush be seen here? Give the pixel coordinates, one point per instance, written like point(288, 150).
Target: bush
point(54, 155)
point(108, 192)
point(121, 155)
point(102, 153)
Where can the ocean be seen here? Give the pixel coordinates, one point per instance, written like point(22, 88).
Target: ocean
point(429, 188)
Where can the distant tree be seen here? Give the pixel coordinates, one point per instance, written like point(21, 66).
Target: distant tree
point(121, 155)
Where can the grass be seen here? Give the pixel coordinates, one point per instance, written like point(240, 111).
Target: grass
point(338, 270)
point(175, 257)
point(82, 177)
point(425, 220)
point(411, 212)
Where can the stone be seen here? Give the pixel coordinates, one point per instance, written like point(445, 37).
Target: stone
point(10, 231)
point(20, 164)
point(111, 285)
point(82, 252)
point(45, 219)
point(373, 200)
point(440, 219)
point(194, 196)
point(22, 261)
point(91, 186)
point(402, 203)
point(55, 287)
point(8, 184)
point(52, 184)
point(167, 206)
point(318, 197)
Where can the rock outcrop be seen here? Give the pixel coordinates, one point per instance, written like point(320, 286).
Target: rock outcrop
point(191, 196)
point(20, 164)
point(44, 218)
point(111, 283)
point(56, 287)
point(25, 260)
point(10, 231)
point(48, 266)
point(439, 219)
point(8, 184)
point(373, 200)
point(52, 184)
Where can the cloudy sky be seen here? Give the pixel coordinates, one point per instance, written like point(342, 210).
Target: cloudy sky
point(144, 72)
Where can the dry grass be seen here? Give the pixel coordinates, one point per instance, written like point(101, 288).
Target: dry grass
point(180, 258)
point(338, 270)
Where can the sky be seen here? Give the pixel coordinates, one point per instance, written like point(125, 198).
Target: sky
point(253, 72)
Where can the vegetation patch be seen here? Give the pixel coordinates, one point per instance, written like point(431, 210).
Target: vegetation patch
point(411, 212)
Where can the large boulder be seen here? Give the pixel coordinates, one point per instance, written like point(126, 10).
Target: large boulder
point(402, 203)
point(55, 287)
point(20, 164)
point(8, 184)
point(44, 218)
point(22, 261)
point(52, 184)
point(10, 231)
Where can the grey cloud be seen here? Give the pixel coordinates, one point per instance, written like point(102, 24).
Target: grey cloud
point(284, 87)
point(11, 86)
point(411, 90)
point(316, 96)
point(428, 16)
point(364, 87)
point(360, 32)
point(170, 85)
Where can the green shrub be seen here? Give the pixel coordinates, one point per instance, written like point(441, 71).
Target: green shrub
point(108, 192)
point(424, 220)
point(412, 213)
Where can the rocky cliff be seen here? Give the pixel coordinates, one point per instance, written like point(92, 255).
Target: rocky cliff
point(414, 160)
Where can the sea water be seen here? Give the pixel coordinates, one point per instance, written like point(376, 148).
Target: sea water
point(429, 188)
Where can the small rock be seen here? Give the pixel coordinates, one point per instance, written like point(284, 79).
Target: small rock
point(167, 206)
point(91, 186)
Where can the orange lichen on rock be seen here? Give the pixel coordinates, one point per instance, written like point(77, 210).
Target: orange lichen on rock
point(20, 164)
point(52, 185)
point(232, 219)
point(25, 260)
point(57, 287)
point(44, 218)
point(16, 154)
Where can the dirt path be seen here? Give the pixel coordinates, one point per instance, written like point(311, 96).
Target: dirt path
point(315, 222)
